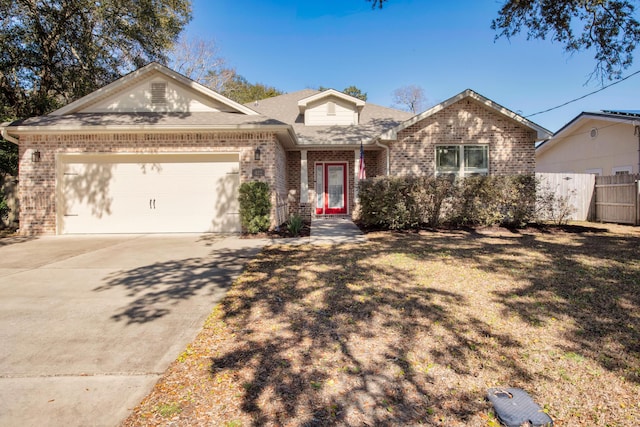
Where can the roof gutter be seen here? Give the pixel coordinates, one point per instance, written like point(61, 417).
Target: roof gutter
point(636, 131)
point(388, 155)
point(5, 135)
point(146, 128)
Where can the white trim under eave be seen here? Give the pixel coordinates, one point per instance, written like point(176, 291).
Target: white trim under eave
point(5, 134)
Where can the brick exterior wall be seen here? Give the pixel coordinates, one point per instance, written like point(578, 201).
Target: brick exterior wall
point(511, 145)
point(372, 161)
point(37, 192)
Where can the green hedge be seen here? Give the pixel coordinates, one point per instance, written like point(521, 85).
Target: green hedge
point(413, 201)
point(255, 206)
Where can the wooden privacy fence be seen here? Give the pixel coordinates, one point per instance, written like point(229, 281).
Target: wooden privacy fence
point(618, 199)
point(577, 188)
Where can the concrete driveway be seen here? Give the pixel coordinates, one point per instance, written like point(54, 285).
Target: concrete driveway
point(89, 323)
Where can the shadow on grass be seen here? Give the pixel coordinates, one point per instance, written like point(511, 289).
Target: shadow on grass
point(363, 334)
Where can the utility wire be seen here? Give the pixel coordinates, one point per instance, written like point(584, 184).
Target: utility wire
point(584, 96)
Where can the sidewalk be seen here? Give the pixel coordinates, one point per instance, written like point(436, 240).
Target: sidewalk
point(326, 232)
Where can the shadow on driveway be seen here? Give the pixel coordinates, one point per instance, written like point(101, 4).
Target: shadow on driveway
point(159, 286)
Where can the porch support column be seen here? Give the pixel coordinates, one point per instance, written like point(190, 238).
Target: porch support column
point(356, 170)
point(304, 178)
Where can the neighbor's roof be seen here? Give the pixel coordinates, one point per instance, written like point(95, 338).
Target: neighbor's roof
point(374, 120)
point(631, 117)
point(542, 133)
point(633, 113)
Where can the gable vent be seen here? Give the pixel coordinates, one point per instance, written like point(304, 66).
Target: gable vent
point(331, 108)
point(158, 93)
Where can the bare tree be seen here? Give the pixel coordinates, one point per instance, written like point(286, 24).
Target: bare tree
point(410, 98)
point(199, 60)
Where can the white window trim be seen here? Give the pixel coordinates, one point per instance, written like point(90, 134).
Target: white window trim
point(627, 169)
point(594, 171)
point(461, 171)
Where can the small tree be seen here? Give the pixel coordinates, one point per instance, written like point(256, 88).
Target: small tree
point(552, 206)
point(255, 206)
point(410, 98)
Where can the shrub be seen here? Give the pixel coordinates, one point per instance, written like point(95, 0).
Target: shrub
point(410, 202)
point(551, 206)
point(4, 209)
point(255, 206)
point(490, 200)
point(402, 202)
point(295, 225)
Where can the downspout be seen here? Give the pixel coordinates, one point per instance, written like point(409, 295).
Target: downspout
point(8, 137)
point(636, 132)
point(388, 155)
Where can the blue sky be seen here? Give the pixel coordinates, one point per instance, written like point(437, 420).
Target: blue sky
point(442, 46)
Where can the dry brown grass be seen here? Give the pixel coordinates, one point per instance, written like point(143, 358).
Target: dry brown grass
point(411, 329)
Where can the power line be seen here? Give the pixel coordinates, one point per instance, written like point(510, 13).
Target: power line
point(584, 96)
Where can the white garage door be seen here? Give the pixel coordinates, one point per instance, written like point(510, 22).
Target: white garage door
point(148, 193)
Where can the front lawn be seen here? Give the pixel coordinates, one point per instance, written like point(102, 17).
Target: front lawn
point(412, 328)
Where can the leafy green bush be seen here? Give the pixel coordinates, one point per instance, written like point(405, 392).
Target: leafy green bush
point(402, 202)
point(295, 225)
point(410, 202)
point(4, 209)
point(255, 206)
point(490, 200)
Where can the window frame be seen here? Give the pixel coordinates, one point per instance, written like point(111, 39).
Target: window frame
point(461, 171)
point(622, 170)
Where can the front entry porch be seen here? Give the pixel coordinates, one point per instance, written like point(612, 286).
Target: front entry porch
point(331, 188)
point(323, 184)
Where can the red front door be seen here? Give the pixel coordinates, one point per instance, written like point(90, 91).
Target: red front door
point(331, 188)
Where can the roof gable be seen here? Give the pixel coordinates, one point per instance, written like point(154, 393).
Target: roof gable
point(153, 88)
point(304, 103)
point(373, 120)
point(583, 119)
point(542, 133)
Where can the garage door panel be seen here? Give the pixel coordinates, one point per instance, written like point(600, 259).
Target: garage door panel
point(148, 193)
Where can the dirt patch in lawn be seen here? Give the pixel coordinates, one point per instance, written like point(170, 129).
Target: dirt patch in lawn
point(412, 328)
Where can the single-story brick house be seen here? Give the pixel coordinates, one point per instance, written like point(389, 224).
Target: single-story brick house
point(157, 152)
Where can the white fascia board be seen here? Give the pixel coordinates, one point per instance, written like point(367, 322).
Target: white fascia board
point(5, 133)
point(302, 104)
point(140, 73)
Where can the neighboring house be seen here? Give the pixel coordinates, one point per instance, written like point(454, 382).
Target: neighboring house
point(604, 143)
point(157, 152)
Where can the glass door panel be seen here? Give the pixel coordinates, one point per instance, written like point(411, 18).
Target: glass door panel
point(336, 187)
point(319, 189)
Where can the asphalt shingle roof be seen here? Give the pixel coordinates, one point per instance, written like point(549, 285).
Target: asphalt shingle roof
point(197, 119)
point(374, 120)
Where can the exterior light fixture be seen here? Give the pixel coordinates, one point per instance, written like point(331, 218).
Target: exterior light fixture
point(257, 154)
point(35, 156)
